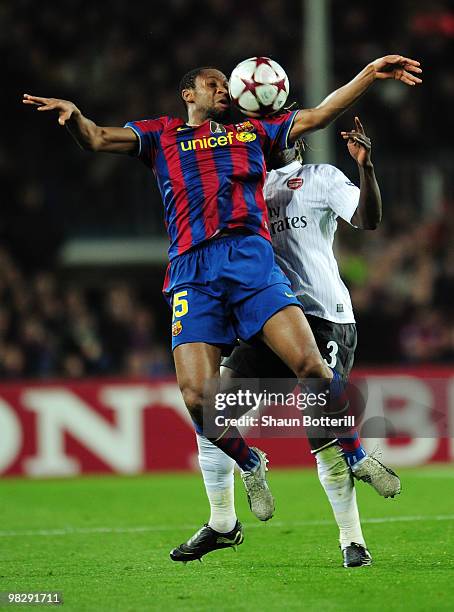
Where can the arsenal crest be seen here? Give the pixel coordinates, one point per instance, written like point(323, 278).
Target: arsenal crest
point(295, 183)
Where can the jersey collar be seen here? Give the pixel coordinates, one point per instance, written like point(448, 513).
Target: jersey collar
point(291, 167)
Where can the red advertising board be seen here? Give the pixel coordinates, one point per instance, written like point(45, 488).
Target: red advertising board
point(67, 428)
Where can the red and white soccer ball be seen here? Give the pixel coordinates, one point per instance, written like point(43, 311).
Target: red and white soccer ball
point(259, 86)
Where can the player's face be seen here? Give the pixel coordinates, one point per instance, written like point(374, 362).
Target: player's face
point(211, 95)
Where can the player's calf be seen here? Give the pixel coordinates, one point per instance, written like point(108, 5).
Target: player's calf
point(251, 461)
point(228, 439)
point(336, 479)
point(346, 400)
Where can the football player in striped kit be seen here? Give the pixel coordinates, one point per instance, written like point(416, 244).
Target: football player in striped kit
point(223, 282)
point(304, 202)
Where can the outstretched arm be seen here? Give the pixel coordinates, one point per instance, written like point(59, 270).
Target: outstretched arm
point(389, 67)
point(369, 212)
point(85, 132)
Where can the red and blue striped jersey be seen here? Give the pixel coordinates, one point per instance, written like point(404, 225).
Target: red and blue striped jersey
point(210, 176)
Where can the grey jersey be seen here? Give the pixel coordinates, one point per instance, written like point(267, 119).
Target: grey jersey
point(303, 205)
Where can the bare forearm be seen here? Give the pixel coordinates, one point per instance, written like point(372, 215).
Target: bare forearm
point(92, 137)
point(368, 215)
point(333, 105)
point(84, 131)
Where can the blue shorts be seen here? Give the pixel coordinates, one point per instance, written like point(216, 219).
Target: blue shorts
point(225, 289)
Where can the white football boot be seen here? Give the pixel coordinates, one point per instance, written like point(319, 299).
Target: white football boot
point(381, 478)
point(261, 500)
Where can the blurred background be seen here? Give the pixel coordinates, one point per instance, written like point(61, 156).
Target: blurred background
point(82, 242)
point(87, 383)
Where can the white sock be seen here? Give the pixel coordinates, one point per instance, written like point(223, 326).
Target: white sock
point(217, 470)
point(336, 479)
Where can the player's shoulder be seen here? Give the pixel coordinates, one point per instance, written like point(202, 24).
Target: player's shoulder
point(293, 168)
point(155, 123)
point(326, 172)
point(273, 119)
point(312, 172)
point(321, 169)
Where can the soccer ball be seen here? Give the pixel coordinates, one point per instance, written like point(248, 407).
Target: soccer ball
point(259, 87)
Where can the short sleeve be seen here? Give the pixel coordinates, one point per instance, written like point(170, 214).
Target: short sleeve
point(342, 195)
point(148, 132)
point(276, 131)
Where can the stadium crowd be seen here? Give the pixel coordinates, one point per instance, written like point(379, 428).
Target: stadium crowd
point(48, 329)
point(122, 64)
point(402, 292)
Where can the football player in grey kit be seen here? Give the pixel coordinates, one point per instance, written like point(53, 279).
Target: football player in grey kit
point(304, 201)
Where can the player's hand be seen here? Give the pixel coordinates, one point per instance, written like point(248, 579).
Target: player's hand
point(65, 108)
point(359, 145)
point(398, 67)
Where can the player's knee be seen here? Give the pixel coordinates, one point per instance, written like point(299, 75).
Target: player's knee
point(193, 399)
point(311, 365)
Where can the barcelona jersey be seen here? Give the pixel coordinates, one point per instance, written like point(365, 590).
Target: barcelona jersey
point(210, 176)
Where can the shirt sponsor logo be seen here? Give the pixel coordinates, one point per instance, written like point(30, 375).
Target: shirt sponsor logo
point(211, 142)
point(288, 223)
point(295, 183)
point(339, 307)
point(280, 224)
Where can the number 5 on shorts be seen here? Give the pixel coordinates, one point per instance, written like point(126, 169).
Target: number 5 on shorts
point(180, 305)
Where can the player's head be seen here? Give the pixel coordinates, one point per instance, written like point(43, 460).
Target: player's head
point(206, 90)
point(286, 156)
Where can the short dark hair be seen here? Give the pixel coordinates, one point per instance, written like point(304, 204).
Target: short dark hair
point(188, 80)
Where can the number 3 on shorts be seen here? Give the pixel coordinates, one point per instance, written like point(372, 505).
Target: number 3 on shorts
point(180, 305)
point(333, 348)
